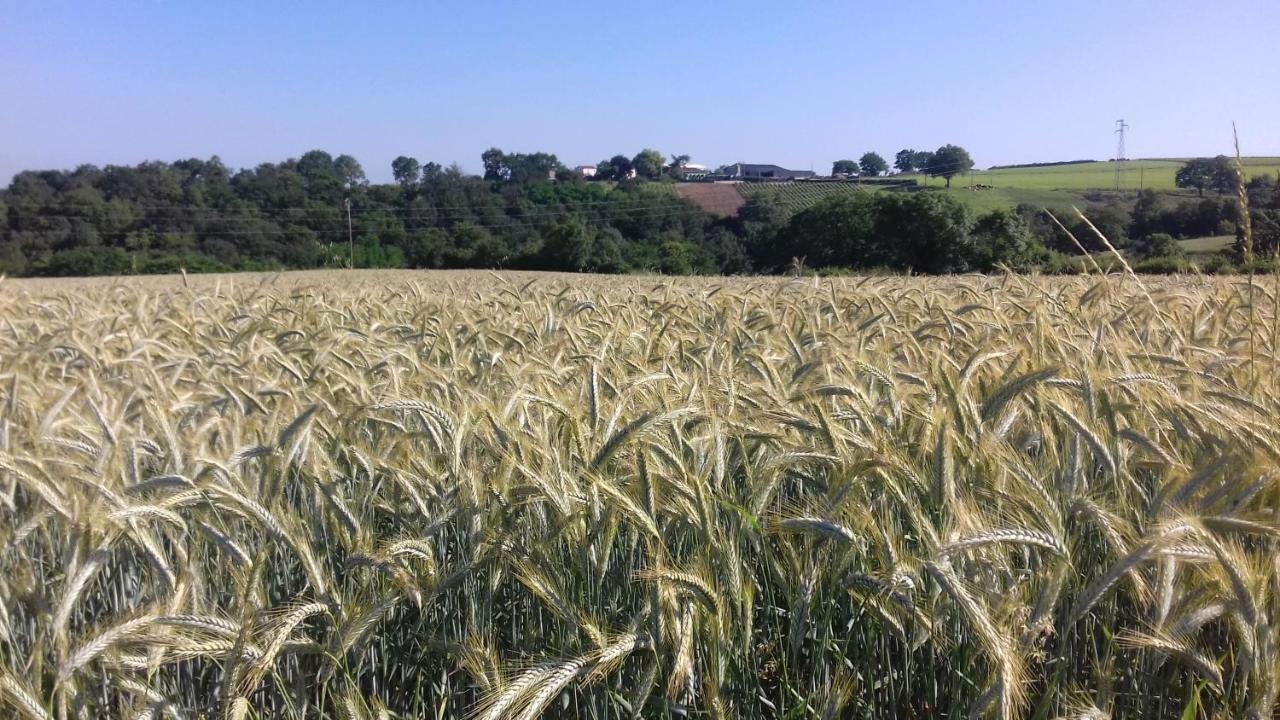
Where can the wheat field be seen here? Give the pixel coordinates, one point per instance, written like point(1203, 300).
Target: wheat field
point(481, 495)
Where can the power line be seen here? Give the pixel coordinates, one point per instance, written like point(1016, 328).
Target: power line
point(465, 214)
point(304, 208)
point(1121, 126)
point(657, 213)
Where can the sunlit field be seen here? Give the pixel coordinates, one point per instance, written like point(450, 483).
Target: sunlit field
point(1154, 174)
point(498, 495)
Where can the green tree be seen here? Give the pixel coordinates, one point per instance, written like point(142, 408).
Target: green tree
point(1147, 216)
point(905, 161)
point(617, 167)
point(926, 232)
point(1157, 245)
point(568, 245)
point(407, 171)
point(1216, 173)
point(495, 166)
point(839, 231)
point(872, 165)
point(648, 164)
point(349, 172)
point(1002, 238)
point(920, 160)
point(845, 167)
point(948, 161)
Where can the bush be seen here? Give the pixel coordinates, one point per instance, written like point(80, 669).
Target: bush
point(12, 261)
point(1061, 264)
point(929, 232)
point(1162, 266)
point(1216, 265)
point(83, 261)
point(1002, 238)
point(1157, 245)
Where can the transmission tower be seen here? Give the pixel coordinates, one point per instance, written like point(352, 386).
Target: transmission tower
point(1121, 126)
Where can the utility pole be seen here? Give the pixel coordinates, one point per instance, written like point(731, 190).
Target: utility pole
point(351, 243)
point(1121, 126)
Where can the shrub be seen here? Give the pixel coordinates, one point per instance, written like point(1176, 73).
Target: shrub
point(79, 262)
point(1157, 245)
point(1164, 265)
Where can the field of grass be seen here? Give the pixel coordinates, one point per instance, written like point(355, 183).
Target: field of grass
point(429, 494)
point(1154, 174)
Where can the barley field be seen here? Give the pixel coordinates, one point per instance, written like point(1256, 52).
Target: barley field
point(480, 495)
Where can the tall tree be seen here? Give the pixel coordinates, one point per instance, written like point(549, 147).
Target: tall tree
point(872, 164)
point(648, 164)
point(1145, 219)
point(921, 159)
point(349, 172)
point(406, 171)
point(949, 161)
point(618, 167)
point(494, 163)
point(845, 167)
point(905, 161)
point(676, 168)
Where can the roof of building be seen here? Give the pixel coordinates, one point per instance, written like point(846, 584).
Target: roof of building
point(767, 166)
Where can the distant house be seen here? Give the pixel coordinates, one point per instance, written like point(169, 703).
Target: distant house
point(692, 171)
point(585, 171)
point(749, 171)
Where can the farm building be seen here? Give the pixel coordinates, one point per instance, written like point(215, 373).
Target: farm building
point(585, 171)
point(749, 171)
point(692, 171)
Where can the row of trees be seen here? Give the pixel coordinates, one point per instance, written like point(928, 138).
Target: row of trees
point(925, 232)
point(198, 214)
point(525, 211)
point(945, 162)
point(869, 165)
point(320, 211)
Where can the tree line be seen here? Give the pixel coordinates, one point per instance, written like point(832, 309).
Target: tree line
point(527, 211)
point(946, 162)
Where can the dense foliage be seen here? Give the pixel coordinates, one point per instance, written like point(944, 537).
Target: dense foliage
point(923, 232)
point(527, 211)
point(197, 214)
point(1130, 226)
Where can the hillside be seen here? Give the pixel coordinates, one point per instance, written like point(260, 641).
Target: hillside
point(1157, 174)
point(1052, 186)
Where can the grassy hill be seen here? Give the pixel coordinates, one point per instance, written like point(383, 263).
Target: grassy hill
point(1157, 174)
point(1078, 184)
point(1058, 187)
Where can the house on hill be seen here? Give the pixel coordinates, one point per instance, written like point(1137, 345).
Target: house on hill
point(750, 171)
point(691, 171)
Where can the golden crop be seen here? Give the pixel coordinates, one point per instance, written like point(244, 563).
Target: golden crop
point(517, 496)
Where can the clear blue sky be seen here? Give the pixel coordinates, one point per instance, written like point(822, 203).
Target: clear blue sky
point(794, 83)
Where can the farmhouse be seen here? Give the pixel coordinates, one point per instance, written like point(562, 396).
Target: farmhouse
point(749, 171)
point(585, 171)
point(692, 171)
